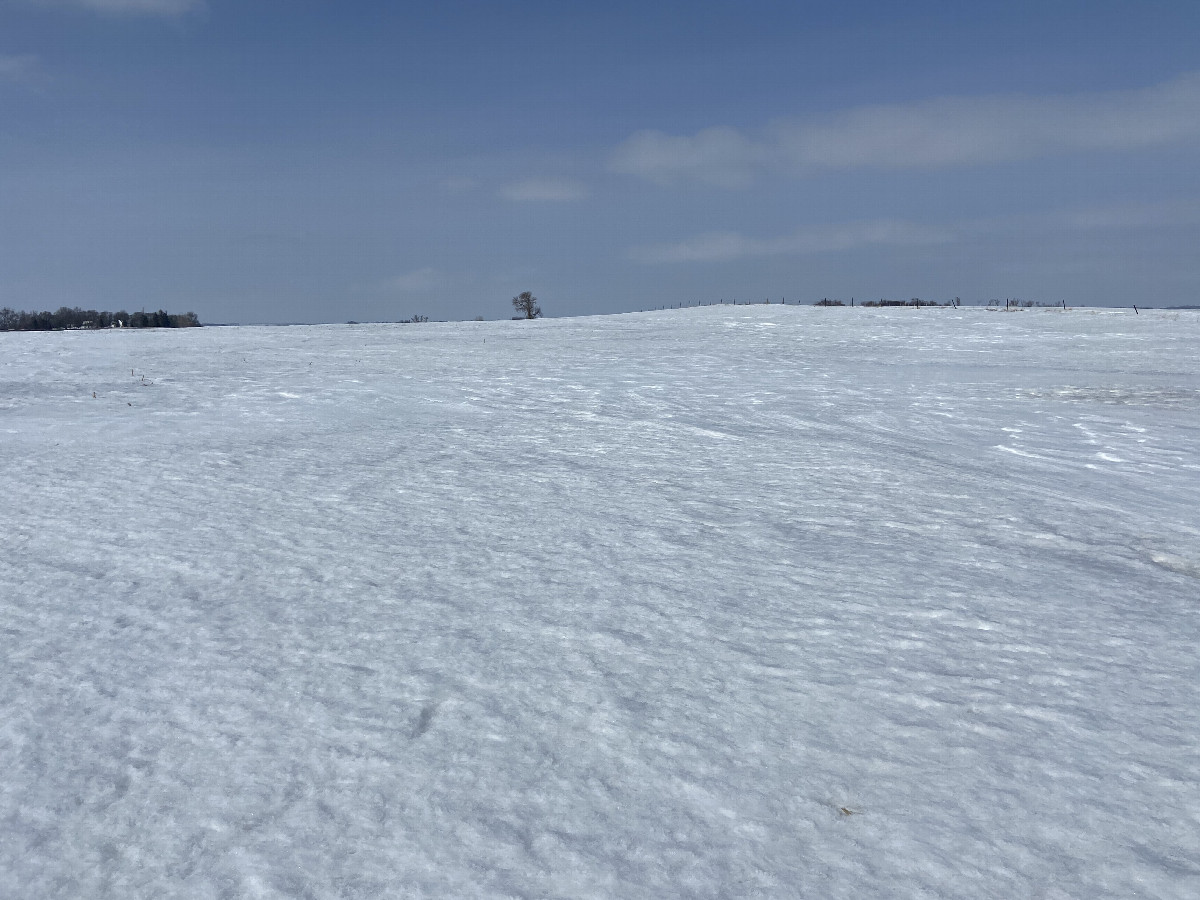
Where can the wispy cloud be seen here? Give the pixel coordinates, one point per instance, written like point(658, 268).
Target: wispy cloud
point(718, 156)
point(18, 67)
point(544, 190)
point(945, 132)
point(413, 282)
point(1183, 213)
point(459, 185)
point(1168, 214)
point(126, 7)
point(728, 245)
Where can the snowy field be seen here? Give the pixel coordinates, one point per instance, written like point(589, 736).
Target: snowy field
point(722, 602)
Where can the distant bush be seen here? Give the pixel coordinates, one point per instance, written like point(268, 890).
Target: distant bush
point(1017, 303)
point(75, 318)
point(915, 301)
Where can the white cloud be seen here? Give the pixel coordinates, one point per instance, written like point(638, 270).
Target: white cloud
point(544, 190)
point(127, 7)
point(15, 68)
point(950, 131)
point(728, 245)
point(413, 282)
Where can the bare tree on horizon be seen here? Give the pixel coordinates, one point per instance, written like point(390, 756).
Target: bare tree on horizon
point(526, 304)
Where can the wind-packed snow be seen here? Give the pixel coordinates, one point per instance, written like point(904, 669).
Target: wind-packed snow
point(724, 602)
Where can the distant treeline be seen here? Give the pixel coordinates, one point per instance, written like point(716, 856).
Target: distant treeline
point(76, 318)
point(915, 301)
point(1009, 303)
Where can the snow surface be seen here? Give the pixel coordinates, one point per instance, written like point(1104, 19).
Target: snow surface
point(724, 602)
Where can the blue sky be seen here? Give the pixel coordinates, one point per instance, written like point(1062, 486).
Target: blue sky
point(303, 161)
